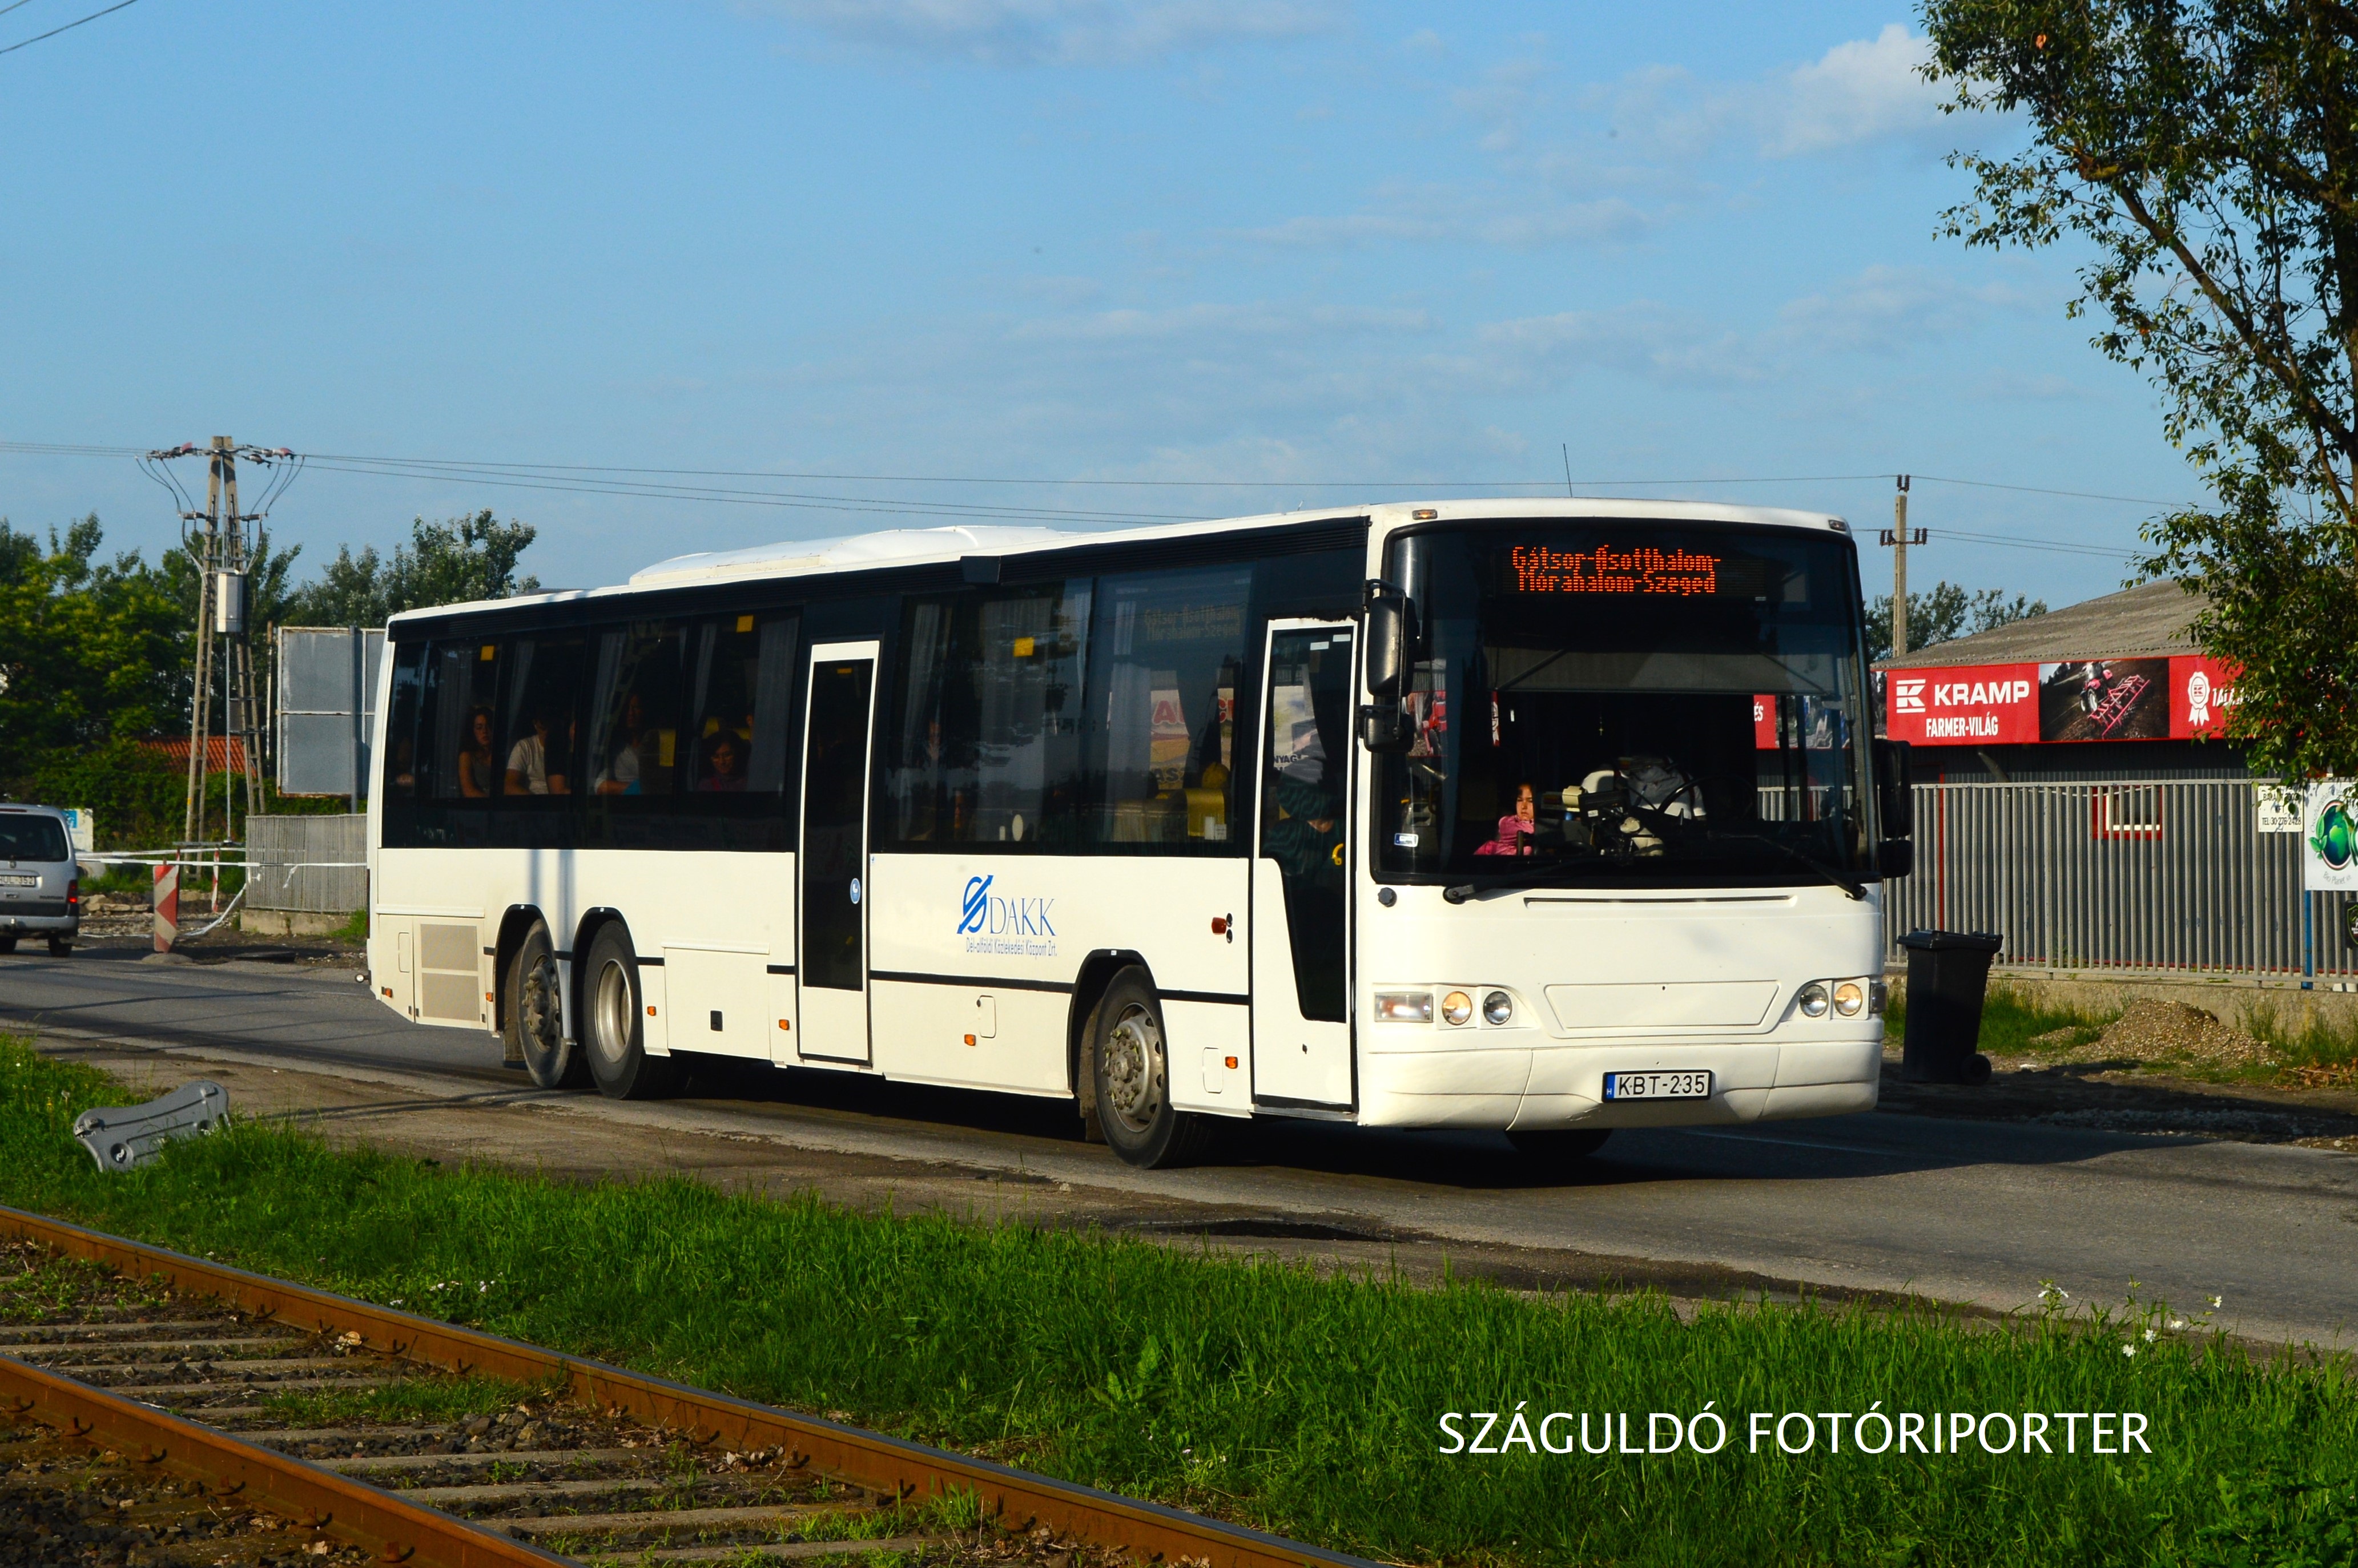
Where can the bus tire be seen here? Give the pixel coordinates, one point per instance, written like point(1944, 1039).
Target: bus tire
point(1131, 1063)
point(619, 1063)
point(533, 1025)
point(1560, 1146)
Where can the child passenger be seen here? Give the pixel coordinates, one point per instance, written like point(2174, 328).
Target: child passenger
point(1515, 830)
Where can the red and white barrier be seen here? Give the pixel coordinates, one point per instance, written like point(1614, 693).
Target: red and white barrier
point(167, 907)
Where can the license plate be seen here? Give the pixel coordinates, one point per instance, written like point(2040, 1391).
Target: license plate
point(16, 882)
point(1658, 1085)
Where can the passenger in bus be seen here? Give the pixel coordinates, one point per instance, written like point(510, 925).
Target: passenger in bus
point(476, 779)
point(1516, 829)
point(1307, 835)
point(561, 767)
point(621, 774)
point(721, 772)
point(528, 761)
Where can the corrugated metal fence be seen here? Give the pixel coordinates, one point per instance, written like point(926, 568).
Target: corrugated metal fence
point(297, 863)
point(2165, 874)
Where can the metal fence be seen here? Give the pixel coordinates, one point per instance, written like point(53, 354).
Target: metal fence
point(2163, 875)
point(309, 864)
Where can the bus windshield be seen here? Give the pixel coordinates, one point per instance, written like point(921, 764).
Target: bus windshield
point(1611, 703)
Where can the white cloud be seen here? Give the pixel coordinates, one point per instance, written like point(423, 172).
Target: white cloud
point(1644, 339)
point(1424, 214)
point(1209, 324)
point(1863, 92)
point(1057, 32)
point(1887, 310)
point(1868, 90)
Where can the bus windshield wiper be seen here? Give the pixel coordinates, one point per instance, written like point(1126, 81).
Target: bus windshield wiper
point(1841, 879)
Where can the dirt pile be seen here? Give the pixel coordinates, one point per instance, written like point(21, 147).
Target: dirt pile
point(2149, 1031)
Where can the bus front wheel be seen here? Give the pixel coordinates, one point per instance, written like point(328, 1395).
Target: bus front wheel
point(1131, 1063)
point(533, 1027)
point(619, 1062)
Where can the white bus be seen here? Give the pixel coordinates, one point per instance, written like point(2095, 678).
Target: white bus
point(1543, 816)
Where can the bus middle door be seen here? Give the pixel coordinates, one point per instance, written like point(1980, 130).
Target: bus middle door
point(1301, 985)
point(831, 862)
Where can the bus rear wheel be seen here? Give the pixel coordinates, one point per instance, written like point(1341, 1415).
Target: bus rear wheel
point(619, 1063)
point(1131, 1063)
point(1562, 1146)
point(533, 1028)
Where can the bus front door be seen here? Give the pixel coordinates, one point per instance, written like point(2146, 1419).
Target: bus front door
point(831, 863)
point(1301, 984)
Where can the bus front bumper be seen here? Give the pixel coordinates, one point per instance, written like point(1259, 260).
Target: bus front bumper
point(1558, 1086)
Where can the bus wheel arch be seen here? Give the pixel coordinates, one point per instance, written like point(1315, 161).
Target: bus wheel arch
point(515, 925)
point(612, 1022)
point(1097, 971)
point(1129, 1055)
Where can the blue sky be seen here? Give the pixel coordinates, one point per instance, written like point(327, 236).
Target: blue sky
point(1308, 249)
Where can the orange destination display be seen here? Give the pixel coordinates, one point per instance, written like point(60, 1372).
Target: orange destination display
point(1642, 568)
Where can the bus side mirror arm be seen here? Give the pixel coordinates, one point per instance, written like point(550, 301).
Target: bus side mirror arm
point(1894, 802)
point(1384, 725)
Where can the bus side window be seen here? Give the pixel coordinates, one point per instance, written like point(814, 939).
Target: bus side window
point(986, 747)
point(538, 728)
point(635, 731)
point(457, 731)
point(401, 722)
point(738, 663)
point(1166, 653)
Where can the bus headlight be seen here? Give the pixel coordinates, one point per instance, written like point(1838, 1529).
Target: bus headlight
point(1849, 998)
point(1812, 999)
point(1456, 1007)
point(1498, 1009)
point(1403, 1006)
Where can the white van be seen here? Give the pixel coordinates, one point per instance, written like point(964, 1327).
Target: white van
point(40, 885)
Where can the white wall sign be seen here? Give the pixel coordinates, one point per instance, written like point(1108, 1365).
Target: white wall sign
point(2280, 810)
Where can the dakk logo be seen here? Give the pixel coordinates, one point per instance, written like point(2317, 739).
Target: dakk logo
point(983, 914)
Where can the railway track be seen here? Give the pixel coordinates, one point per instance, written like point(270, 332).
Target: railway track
point(158, 1410)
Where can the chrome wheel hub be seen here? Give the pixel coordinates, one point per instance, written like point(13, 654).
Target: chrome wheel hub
point(1134, 1071)
point(612, 1036)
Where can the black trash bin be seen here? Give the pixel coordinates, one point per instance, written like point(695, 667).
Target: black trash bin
point(1948, 972)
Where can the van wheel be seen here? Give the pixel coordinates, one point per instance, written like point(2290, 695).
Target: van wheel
point(1132, 1071)
point(59, 946)
point(619, 1062)
point(7, 945)
point(533, 1027)
point(1565, 1146)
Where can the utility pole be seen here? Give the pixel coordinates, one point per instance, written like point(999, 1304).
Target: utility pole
point(1899, 537)
point(216, 543)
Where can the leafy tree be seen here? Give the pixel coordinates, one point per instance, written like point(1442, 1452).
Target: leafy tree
point(2206, 154)
point(1944, 613)
point(89, 648)
point(444, 563)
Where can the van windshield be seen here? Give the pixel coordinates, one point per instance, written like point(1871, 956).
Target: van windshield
point(1608, 702)
point(32, 838)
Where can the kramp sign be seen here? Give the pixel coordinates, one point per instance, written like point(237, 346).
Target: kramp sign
point(1972, 705)
point(2180, 698)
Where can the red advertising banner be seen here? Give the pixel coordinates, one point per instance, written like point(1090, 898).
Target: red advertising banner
point(1969, 704)
point(1764, 723)
point(2202, 690)
point(2086, 699)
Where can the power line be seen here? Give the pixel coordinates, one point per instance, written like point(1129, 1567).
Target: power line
point(70, 26)
point(468, 467)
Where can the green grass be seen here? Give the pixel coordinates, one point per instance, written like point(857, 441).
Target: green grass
point(353, 931)
point(1264, 1392)
point(2010, 1022)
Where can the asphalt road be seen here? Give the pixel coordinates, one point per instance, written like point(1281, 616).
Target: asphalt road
point(1965, 1211)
